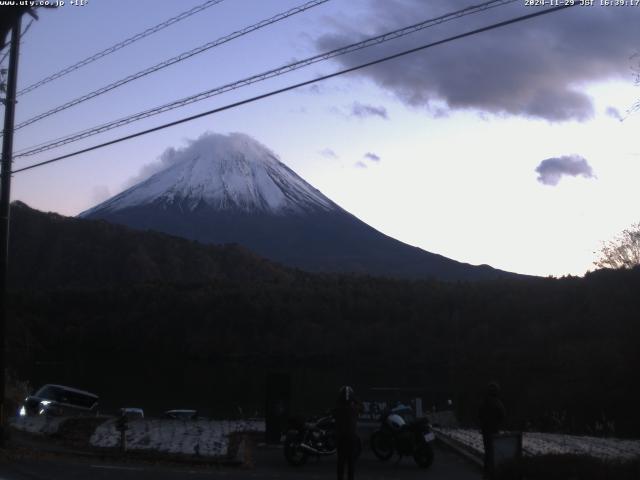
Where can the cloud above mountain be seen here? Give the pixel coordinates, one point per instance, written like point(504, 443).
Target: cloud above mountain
point(208, 141)
point(372, 157)
point(551, 170)
point(537, 68)
point(614, 113)
point(167, 158)
point(363, 111)
point(99, 193)
point(328, 153)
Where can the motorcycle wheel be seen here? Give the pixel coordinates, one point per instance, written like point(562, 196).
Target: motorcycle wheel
point(424, 455)
point(382, 445)
point(294, 455)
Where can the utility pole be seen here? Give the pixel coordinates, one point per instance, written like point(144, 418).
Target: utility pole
point(5, 198)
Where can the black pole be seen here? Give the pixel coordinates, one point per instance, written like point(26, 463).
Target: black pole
point(5, 199)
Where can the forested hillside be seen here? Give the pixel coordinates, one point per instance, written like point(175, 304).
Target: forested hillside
point(564, 350)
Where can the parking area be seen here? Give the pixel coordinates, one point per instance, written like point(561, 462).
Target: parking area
point(268, 464)
point(447, 465)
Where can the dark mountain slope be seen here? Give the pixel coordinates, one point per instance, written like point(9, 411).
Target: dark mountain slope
point(49, 250)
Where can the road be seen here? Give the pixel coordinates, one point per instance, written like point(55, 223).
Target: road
point(269, 465)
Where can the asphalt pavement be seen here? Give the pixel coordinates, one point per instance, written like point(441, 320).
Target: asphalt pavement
point(269, 464)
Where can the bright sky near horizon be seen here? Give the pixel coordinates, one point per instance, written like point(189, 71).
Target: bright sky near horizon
point(512, 148)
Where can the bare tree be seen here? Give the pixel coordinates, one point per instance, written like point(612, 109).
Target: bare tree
point(623, 251)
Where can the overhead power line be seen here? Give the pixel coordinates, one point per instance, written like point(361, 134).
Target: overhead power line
point(261, 77)
point(118, 46)
point(173, 60)
point(24, 32)
point(298, 85)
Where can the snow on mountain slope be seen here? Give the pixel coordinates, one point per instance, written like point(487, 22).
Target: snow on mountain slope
point(226, 172)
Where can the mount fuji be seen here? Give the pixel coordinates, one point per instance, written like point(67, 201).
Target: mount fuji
point(232, 189)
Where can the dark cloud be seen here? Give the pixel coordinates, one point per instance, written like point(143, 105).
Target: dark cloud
point(551, 170)
point(360, 164)
point(537, 68)
point(614, 113)
point(372, 156)
point(328, 153)
point(362, 111)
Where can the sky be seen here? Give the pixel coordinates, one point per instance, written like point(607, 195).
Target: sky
point(515, 148)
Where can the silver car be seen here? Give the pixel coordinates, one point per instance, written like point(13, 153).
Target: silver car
point(181, 414)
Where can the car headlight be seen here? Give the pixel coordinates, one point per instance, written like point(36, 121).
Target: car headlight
point(44, 407)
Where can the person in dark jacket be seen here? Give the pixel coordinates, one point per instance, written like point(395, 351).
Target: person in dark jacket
point(491, 416)
point(346, 416)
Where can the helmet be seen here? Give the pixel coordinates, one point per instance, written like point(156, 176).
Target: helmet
point(395, 421)
point(345, 393)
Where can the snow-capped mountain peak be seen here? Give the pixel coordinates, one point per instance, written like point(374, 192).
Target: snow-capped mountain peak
point(231, 189)
point(224, 172)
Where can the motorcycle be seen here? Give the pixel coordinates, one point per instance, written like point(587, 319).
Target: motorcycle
point(400, 432)
point(316, 437)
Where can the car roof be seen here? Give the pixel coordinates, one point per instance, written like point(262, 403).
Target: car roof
point(71, 389)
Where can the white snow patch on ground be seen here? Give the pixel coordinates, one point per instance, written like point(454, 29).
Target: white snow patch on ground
point(40, 424)
point(555, 444)
point(208, 438)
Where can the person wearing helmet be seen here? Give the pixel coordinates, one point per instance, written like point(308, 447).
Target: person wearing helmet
point(346, 416)
point(491, 416)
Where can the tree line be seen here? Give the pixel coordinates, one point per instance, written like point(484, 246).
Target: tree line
point(564, 350)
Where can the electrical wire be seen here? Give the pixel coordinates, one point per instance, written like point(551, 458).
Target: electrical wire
point(6, 54)
point(301, 84)
point(179, 58)
point(261, 77)
point(120, 45)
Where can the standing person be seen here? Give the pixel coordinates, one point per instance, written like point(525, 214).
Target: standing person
point(346, 415)
point(491, 416)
